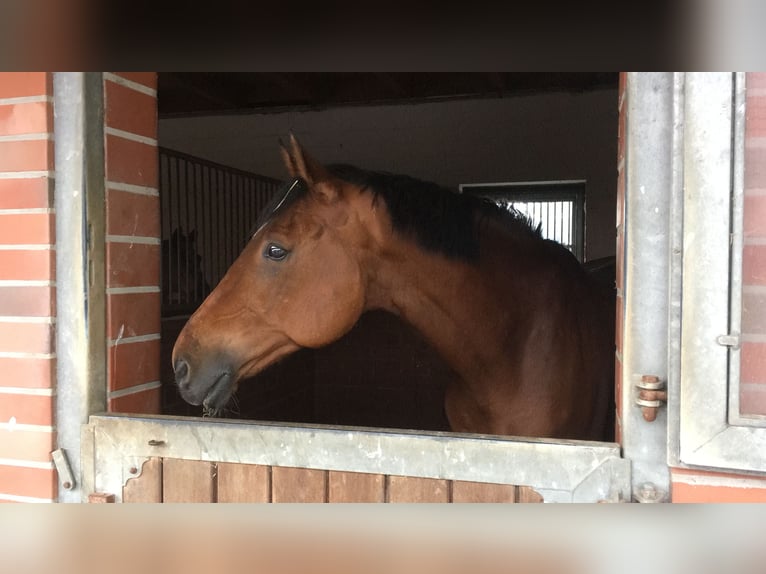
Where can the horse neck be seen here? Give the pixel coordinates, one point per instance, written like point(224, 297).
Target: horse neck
point(453, 303)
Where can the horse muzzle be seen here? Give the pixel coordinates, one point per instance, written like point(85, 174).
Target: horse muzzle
point(211, 386)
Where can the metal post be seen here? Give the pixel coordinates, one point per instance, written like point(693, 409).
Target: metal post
point(649, 172)
point(80, 276)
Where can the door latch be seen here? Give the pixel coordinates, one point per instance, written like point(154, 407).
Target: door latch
point(61, 463)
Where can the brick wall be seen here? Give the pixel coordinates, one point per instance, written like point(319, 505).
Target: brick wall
point(753, 365)
point(133, 242)
point(27, 288)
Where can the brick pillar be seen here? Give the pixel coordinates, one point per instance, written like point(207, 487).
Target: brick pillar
point(27, 288)
point(620, 249)
point(133, 242)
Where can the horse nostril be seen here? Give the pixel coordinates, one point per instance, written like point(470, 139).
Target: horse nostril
point(181, 369)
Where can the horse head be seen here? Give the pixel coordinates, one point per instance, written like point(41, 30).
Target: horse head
point(298, 283)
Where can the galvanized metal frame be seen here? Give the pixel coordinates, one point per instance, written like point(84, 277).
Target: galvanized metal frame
point(561, 471)
point(649, 178)
point(80, 275)
point(713, 128)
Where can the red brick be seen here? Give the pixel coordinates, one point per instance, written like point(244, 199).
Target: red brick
point(689, 493)
point(755, 117)
point(754, 265)
point(620, 259)
point(755, 216)
point(131, 111)
point(132, 265)
point(133, 314)
point(755, 167)
point(27, 409)
point(34, 155)
point(27, 373)
point(618, 334)
point(26, 445)
point(620, 198)
point(26, 193)
point(27, 228)
point(131, 162)
point(618, 383)
point(148, 79)
point(752, 399)
point(753, 363)
point(26, 338)
point(132, 364)
point(132, 214)
point(27, 302)
point(33, 265)
point(32, 482)
point(144, 402)
point(31, 118)
point(25, 84)
point(754, 313)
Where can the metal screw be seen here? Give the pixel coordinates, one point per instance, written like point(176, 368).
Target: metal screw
point(133, 470)
point(67, 485)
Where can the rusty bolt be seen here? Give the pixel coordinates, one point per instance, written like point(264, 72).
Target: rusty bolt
point(133, 470)
point(67, 485)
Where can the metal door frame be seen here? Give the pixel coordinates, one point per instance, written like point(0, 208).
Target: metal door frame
point(115, 447)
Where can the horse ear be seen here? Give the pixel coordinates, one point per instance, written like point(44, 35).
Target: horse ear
point(300, 164)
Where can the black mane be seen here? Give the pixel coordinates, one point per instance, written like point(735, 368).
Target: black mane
point(438, 218)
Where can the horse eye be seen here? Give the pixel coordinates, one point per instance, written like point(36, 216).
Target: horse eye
point(275, 252)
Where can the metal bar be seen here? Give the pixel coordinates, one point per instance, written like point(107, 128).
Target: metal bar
point(648, 177)
point(79, 201)
point(562, 471)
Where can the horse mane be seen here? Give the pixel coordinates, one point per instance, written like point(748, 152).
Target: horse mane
point(439, 219)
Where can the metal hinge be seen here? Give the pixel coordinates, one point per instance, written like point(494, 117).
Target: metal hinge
point(652, 394)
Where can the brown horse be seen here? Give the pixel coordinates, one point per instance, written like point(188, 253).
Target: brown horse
point(527, 332)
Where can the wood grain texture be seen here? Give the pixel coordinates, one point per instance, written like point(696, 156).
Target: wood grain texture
point(527, 494)
point(147, 487)
point(412, 489)
point(298, 485)
point(188, 480)
point(244, 483)
point(356, 487)
point(463, 491)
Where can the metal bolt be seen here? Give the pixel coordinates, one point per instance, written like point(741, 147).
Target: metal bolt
point(67, 485)
point(133, 470)
point(648, 492)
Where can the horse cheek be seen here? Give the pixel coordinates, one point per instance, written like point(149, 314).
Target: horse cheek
point(330, 308)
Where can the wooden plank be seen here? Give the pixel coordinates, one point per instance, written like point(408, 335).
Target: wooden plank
point(412, 489)
point(527, 494)
point(244, 482)
point(101, 498)
point(146, 487)
point(298, 485)
point(188, 480)
point(464, 491)
point(356, 487)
